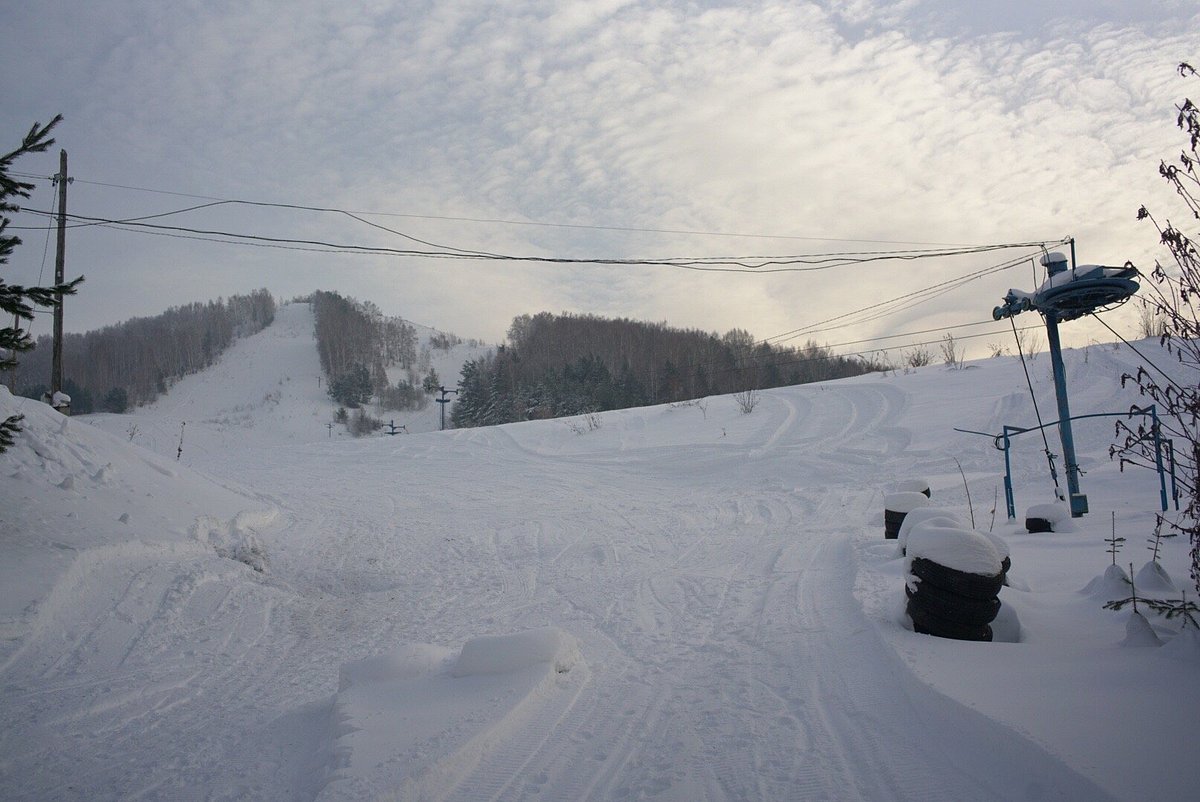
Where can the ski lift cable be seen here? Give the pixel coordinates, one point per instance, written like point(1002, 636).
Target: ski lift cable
point(1036, 410)
point(1142, 356)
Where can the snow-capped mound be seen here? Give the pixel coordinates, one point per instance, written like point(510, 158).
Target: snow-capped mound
point(1057, 514)
point(954, 547)
point(419, 719)
point(939, 515)
point(1112, 584)
point(905, 501)
point(498, 654)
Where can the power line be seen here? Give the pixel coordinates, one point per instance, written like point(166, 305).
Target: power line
point(761, 265)
point(532, 223)
point(953, 283)
point(859, 354)
point(913, 298)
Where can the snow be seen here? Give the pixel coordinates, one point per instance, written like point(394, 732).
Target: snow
point(1138, 631)
point(911, 486)
point(999, 544)
point(953, 547)
point(680, 604)
point(499, 654)
point(1057, 514)
point(939, 515)
point(1082, 273)
point(904, 501)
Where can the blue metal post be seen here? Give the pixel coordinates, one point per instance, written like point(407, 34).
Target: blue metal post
point(1009, 501)
point(1078, 500)
point(1174, 488)
point(1158, 460)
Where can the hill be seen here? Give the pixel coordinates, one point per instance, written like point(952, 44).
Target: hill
point(133, 362)
point(267, 389)
point(679, 601)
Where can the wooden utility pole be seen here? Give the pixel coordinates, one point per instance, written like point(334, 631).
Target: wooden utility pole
point(60, 260)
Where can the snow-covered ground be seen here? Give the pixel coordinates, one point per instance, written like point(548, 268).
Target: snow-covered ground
point(677, 602)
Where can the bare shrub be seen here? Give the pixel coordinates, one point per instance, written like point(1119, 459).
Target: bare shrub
point(1030, 343)
point(952, 352)
point(1173, 294)
point(746, 400)
point(362, 423)
point(918, 357)
point(1150, 322)
point(587, 422)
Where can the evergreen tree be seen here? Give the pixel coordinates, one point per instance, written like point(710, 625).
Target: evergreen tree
point(472, 394)
point(17, 301)
point(115, 400)
point(352, 388)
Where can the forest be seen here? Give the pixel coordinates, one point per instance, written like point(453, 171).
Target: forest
point(133, 362)
point(569, 364)
point(356, 343)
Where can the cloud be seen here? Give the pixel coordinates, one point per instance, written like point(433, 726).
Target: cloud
point(916, 121)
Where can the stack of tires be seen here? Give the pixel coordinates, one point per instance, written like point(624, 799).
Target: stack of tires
point(898, 505)
point(954, 578)
point(1048, 518)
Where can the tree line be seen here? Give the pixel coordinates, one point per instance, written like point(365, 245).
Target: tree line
point(557, 365)
point(132, 363)
point(356, 344)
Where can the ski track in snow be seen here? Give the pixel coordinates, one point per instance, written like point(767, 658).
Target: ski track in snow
point(705, 564)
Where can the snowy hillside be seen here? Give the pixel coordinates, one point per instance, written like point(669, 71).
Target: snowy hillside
point(266, 390)
point(677, 602)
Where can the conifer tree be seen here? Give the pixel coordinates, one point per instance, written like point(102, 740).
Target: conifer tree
point(16, 300)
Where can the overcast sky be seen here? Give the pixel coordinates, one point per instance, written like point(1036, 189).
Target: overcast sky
point(598, 129)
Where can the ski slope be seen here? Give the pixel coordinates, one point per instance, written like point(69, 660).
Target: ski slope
point(673, 603)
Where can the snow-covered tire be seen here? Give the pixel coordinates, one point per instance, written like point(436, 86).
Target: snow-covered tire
point(927, 623)
point(973, 586)
point(952, 607)
point(891, 523)
point(1036, 525)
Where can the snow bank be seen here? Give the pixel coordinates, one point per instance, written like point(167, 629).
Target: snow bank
point(497, 654)
point(236, 539)
point(408, 661)
point(414, 722)
point(954, 547)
